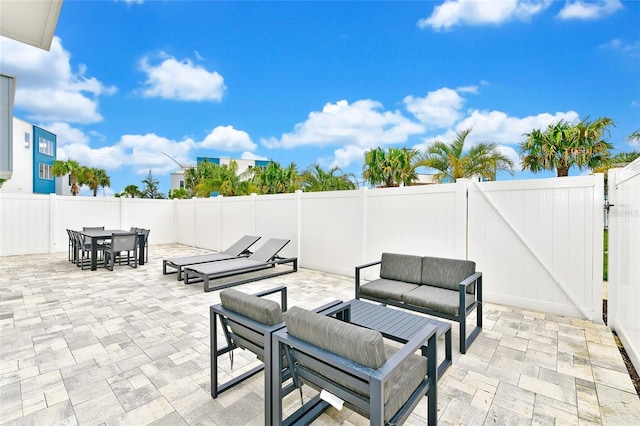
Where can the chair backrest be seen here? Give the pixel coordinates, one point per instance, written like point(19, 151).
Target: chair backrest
point(258, 309)
point(124, 241)
point(145, 232)
point(241, 245)
point(269, 250)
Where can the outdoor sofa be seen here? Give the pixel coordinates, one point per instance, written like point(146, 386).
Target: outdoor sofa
point(447, 288)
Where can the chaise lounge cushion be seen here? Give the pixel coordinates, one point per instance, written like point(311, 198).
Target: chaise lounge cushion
point(364, 346)
point(437, 299)
point(446, 273)
point(387, 289)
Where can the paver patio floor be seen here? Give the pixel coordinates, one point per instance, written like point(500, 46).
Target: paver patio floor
point(132, 347)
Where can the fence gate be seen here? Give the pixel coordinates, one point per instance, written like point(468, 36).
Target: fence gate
point(539, 243)
point(624, 257)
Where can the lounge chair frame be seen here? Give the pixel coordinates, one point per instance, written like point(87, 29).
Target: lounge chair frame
point(265, 258)
point(239, 249)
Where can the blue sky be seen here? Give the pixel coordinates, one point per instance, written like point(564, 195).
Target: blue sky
point(320, 82)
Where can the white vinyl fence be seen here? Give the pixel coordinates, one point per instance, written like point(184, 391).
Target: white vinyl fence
point(624, 258)
point(537, 242)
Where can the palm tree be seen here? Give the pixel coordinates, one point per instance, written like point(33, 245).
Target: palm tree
point(563, 145)
point(634, 137)
point(273, 179)
point(131, 191)
point(315, 178)
point(395, 167)
point(453, 162)
point(95, 178)
point(71, 168)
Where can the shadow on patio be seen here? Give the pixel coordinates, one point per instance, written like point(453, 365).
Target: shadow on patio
point(132, 347)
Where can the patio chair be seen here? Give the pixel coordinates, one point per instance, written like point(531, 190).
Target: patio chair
point(145, 232)
point(72, 246)
point(266, 257)
point(82, 250)
point(122, 243)
point(239, 248)
point(248, 321)
point(354, 366)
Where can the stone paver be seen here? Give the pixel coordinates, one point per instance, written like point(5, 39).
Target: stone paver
point(131, 347)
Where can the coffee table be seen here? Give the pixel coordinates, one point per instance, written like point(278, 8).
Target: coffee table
point(398, 325)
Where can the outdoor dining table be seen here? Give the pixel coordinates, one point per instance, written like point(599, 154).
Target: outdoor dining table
point(105, 234)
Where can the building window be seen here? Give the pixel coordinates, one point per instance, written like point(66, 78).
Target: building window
point(181, 184)
point(45, 146)
point(27, 139)
point(44, 171)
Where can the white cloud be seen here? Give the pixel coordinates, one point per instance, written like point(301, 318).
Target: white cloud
point(363, 123)
point(48, 88)
point(589, 10)
point(66, 135)
point(347, 155)
point(498, 127)
point(439, 109)
point(481, 12)
point(226, 138)
point(181, 80)
point(251, 156)
point(617, 45)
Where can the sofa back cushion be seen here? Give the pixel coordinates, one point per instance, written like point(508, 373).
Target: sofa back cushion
point(401, 267)
point(258, 309)
point(350, 341)
point(446, 273)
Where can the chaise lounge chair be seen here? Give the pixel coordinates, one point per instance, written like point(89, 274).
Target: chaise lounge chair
point(266, 257)
point(240, 248)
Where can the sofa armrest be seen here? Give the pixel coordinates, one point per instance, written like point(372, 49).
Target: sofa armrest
point(475, 278)
point(358, 268)
point(283, 295)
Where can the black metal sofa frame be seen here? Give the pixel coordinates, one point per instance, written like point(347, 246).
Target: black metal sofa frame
point(250, 329)
point(366, 389)
point(446, 288)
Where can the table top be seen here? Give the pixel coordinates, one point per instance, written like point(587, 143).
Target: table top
point(104, 233)
point(392, 322)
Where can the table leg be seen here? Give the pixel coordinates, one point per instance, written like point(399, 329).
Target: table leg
point(94, 253)
point(141, 243)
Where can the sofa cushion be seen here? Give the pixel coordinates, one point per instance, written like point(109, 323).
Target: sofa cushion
point(257, 308)
point(446, 273)
point(356, 343)
point(363, 346)
point(401, 267)
point(436, 298)
point(386, 289)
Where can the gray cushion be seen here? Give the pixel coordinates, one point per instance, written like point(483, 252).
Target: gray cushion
point(402, 382)
point(438, 299)
point(258, 309)
point(401, 267)
point(358, 344)
point(446, 273)
point(386, 289)
point(363, 346)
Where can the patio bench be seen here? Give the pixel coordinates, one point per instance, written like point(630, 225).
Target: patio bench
point(446, 288)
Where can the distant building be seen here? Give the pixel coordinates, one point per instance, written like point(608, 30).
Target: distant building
point(177, 178)
point(33, 153)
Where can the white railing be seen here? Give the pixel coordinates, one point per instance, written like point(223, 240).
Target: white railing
point(538, 242)
point(624, 258)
